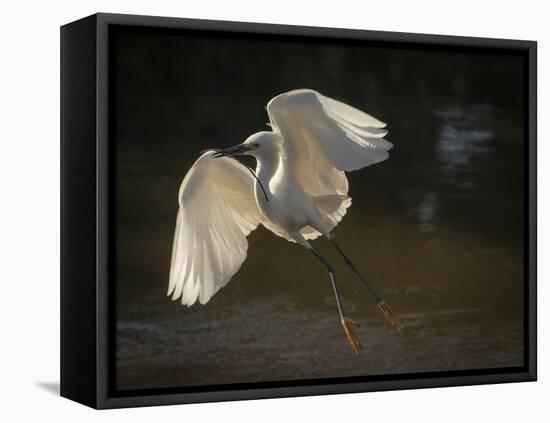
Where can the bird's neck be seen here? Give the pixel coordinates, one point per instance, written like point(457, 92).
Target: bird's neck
point(268, 170)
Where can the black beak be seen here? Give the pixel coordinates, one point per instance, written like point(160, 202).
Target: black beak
point(233, 151)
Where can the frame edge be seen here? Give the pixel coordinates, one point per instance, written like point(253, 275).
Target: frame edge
point(78, 215)
point(104, 401)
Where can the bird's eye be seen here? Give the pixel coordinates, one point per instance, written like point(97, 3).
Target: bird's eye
point(256, 145)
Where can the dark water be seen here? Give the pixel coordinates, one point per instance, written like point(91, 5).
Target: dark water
point(437, 228)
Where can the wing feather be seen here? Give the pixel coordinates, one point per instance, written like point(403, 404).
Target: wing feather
point(324, 136)
point(217, 211)
point(323, 139)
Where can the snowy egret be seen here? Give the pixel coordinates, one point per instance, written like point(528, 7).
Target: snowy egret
point(298, 191)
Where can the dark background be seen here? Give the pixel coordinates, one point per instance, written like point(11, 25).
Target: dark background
point(437, 228)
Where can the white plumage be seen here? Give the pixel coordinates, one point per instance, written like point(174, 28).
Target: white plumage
point(217, 210)
point(301, 165)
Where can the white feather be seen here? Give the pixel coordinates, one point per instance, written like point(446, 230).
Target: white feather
point(324, 138)
point(217, 210)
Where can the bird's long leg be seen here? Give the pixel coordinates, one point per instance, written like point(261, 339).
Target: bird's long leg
point(348, 324)
point(382, 305)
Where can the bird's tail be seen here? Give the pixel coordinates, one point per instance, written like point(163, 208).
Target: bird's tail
point(332, 208)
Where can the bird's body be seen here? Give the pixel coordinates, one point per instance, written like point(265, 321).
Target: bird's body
point(289, 209)
point(284, 204)
point(299, 192)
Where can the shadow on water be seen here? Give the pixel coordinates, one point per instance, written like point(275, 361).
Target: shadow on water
point(437, 228)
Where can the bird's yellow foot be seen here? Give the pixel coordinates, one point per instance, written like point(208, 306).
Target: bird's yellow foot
point(349, 329)
point(391, 316)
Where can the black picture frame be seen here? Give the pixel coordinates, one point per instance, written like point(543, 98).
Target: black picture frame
point(86, 249)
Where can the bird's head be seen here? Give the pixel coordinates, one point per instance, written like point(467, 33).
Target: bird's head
point(257, 145)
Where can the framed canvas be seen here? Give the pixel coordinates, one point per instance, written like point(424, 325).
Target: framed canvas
point(378, 234)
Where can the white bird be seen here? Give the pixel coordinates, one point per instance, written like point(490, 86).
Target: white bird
point(299, 192)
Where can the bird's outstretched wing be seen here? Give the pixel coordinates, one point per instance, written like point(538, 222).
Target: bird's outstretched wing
point(217, 211)
point(325, 137)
